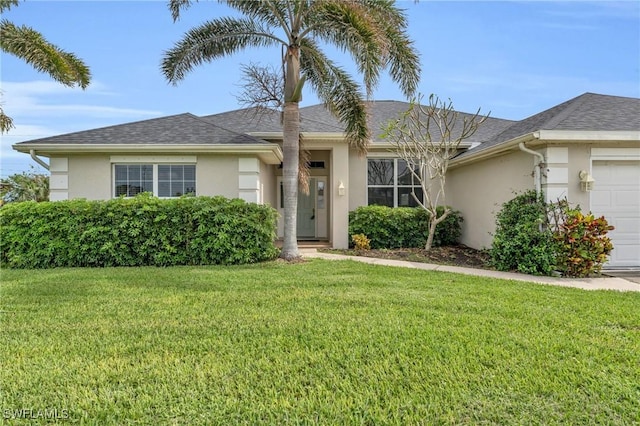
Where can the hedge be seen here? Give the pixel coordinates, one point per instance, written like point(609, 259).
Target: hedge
point(402, 227)
point(136, 231)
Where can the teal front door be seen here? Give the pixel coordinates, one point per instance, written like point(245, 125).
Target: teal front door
point(307, 212)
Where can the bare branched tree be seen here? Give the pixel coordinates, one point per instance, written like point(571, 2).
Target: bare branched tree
point(427, 137)
point(263, 92)
point(262, 87)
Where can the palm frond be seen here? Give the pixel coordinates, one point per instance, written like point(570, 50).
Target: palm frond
point(271, 12)
point(350, 26)
point(338, 91)
point(7, 4)
point(402, 59)
point(175, 6)
point(6, 122)
point(212, 40)
point(374, 33)
point(30, 46)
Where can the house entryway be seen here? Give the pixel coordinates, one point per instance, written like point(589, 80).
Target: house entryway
point(312, 218)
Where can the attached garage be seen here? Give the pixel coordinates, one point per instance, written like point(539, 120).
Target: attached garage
point(616, 196)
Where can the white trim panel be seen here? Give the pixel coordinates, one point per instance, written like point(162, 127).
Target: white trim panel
point(174, 159)
point(615, 154)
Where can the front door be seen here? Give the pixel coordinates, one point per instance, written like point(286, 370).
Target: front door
point(312, 210)
point(307, 212)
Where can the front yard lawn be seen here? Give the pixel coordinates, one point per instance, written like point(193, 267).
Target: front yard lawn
point(314, 342)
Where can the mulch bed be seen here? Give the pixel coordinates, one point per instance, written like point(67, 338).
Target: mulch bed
point(458, 255)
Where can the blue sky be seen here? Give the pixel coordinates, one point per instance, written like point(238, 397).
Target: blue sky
point(511, 58)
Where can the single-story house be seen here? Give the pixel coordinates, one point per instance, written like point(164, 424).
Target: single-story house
point(586, 149)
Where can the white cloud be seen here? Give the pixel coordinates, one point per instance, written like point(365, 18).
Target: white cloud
point(26, 101)
point(12, 161)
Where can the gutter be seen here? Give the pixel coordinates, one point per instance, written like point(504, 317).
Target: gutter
point(537, 171)
point(38, 160)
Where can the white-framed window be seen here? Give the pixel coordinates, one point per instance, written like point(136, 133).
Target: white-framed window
point(162, 180)
point(390, 183)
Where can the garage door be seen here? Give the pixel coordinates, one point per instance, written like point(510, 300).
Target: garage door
point(616, 195)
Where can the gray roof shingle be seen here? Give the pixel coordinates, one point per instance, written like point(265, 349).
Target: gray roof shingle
point(250, 120)
point(317, 118)
point(587, 112)
point(181, 129)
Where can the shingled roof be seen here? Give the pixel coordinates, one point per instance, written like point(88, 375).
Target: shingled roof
point(317, 119)
point(261, 120)
point(181, 129)
point(587, 112)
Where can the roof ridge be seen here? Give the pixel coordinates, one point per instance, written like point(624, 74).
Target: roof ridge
point(209, 123)
point(571, 106)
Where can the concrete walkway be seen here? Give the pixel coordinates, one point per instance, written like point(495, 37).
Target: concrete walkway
point(604, 283)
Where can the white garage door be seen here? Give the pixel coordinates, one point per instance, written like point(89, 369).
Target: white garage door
point(616, 195)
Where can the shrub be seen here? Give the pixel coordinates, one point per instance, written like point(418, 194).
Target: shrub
point(361, 242)
point(521, 241)
point(402, 227)
point(526, 240)
point(583, 246)
point(136, 231)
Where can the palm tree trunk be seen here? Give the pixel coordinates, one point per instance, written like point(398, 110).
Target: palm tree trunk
point(290, 148)
point(291, 152)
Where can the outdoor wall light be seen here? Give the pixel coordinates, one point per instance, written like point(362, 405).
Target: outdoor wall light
point(586, 180)
point(341, 189)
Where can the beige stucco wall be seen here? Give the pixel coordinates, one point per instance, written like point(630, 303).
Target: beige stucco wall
point(90, 177)
point(357, 180)
point(217, 175)
point(479, 189)
point(268, 184)
point(340, 172)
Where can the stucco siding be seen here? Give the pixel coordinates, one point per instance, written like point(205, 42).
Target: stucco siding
point(358, 180)
point(268, 184)
point(478, 191)
point(90, 177)
point(217, 175)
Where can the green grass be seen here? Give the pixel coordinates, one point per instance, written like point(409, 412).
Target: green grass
point(316, 342)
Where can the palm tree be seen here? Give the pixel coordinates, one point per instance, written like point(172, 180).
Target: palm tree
point(373, 32)
point(29, 45)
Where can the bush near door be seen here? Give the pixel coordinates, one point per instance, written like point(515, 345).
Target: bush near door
point(402, 227)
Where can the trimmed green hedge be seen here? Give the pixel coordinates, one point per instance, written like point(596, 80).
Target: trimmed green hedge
point(136, 231)
point(402, 227)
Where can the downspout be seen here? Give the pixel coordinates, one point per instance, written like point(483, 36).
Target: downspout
point(537, 172)
point(35, 158)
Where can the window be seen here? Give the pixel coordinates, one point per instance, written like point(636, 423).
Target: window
point(162, 180)
point(133, 179)
point(389, 183)
point(176, 180)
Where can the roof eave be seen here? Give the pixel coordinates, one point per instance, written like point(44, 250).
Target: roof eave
point(590, 135)
point(306, 135)
point(494, 150)
point(544, 136)
point(267, 152)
